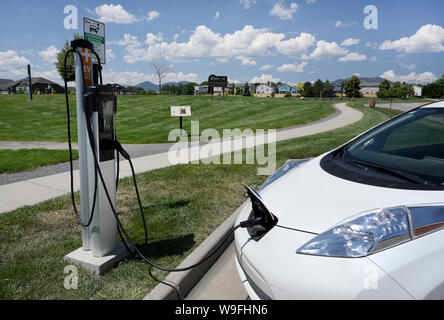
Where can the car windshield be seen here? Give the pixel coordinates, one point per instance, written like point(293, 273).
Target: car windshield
point(411, 145)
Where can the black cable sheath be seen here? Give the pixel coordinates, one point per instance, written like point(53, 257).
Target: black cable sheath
point(79, 219)
point(123, 233)
point(128, 239)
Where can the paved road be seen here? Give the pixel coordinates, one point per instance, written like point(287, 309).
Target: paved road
point(141, 150)
point(401, 106)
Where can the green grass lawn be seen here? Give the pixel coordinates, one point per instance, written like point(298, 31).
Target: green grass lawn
point(184, 204)
point(12, 161)
point(147, 119)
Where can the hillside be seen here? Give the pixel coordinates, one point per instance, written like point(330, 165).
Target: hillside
point(363, 79)
point(147, 85)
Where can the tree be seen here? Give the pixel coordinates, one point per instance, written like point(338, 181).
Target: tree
point(160, 69)
point(434, 90)
point(307, 90)
point(247, 92)
point(70, 68)
point(328, 90)
point(300, 86)
point(138, 90)
point(352, 87)
point(385, 89)
point(317, 88)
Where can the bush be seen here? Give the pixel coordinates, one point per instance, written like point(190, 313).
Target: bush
point(288, 95)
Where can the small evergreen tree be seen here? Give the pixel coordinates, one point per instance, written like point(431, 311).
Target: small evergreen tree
point(352, 87)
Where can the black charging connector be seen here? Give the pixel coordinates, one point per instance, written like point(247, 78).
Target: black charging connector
point(91, 106)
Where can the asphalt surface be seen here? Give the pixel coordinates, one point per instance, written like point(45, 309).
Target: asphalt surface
point(401, 106)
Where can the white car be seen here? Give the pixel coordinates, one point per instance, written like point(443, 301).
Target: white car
point(364, 221)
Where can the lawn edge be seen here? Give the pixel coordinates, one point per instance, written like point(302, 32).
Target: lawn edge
point(185, 281)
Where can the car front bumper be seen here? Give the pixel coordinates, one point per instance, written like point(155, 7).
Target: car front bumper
point(271, 269)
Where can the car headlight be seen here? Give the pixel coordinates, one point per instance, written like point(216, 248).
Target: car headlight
point(363, 235)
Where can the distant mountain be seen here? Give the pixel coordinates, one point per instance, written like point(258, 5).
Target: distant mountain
point(147, 85)
point(4, 81)
point(363, 79)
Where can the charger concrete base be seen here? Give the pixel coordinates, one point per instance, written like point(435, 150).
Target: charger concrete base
point(97, 266)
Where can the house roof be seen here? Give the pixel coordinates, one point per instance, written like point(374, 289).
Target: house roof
point(369, 84)
point(34, 80)
point(263, 84)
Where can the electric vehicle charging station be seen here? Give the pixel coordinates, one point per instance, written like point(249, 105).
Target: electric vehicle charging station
point(97, 104)
point(98, 147)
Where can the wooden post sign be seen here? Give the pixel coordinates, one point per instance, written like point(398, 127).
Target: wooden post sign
point(217, 82)
point(181, 111)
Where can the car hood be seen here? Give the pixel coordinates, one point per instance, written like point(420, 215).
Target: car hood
point(309, 199)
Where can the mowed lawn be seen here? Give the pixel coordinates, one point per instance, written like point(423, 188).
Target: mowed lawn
point(147, 119)
point(183, 204)
point(12, 161)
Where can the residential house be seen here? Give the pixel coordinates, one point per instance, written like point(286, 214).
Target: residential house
point(285, 88)
point(37, 84)
point(418, 90)
point(369, 89)
point(264, 89)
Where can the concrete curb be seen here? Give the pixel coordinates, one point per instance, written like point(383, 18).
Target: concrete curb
point(185, 281)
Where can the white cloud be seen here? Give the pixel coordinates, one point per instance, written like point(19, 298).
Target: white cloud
point(152, 38)
point(429, 38)
point(51, 74)
point(153, 15)
point(311, 1)
point(50, 54)
point(350, 42)
point(136, 77)
point(12, 65)
point(326, 49)
point(264, 79)
point(129, 41)
point(341, 24)
point(296, 46)
point(109, 54)
point(217, 15)
point(410, 67)
point(353, 56)
point(373, 59)
point(283, 13)
point(266, 67)
point(246, 61)
point(222, 60)
point(114, 13)
point(247, 3)
point(293, 67)
point(424, 77)
point(204, 43)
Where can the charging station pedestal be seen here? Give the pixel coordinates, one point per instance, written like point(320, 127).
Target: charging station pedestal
point(100, 249)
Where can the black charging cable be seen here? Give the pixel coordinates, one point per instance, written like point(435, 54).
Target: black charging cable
point(126, 239)
point(68, 116)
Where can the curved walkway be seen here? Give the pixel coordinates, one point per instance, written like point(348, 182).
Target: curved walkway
point(46, 187)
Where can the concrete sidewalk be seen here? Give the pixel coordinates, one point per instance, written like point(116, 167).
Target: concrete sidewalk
point(33, 191)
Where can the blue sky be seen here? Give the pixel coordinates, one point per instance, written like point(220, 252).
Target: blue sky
point(247, 40)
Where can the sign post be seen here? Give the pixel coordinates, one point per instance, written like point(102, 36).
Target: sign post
point(94, 32)
point(181, 111)
point(29, 82)
point(217, 81)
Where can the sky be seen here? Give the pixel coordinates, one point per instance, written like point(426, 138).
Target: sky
point(246, 40)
